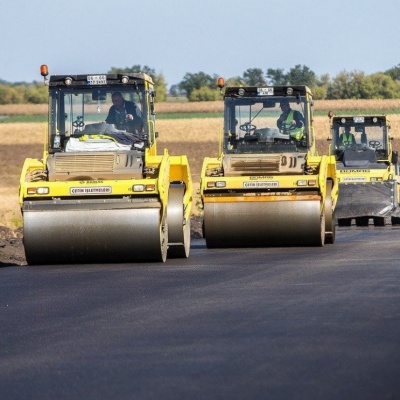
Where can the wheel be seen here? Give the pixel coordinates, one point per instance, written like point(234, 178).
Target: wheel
point(344, 221)
point(362, 221)
point(379, 221)
point(395, 220)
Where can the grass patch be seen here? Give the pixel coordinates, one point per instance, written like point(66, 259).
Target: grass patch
point(22, 118)
point(189, 115)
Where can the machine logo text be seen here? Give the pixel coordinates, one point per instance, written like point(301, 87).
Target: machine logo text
point(91, 190)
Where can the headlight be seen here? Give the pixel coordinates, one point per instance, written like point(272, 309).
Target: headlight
point(39, 190)
point(218, 184)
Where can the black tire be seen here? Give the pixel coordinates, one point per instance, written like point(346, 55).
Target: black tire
point(395, 220)
point(379, 221)
point(362, 221)
point(344, 221)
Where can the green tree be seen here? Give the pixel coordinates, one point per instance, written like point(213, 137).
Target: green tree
point(277, 76)
point(382, 86)
point(254, 77)
point(350, 85)
point(301, 75)
point(204, 94)
point(198, 80)
point(36, 94)
point(10, 94)
point(160, 85)
point(394, 72)
point(234, 81)
point(319, 92)
point(320, 89)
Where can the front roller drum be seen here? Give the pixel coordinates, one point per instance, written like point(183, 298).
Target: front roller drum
point(94, 236)
point(264, 224)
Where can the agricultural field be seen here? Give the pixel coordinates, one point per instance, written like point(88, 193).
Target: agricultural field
point(180, 134)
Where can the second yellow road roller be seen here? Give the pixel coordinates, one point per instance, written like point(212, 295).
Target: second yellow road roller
point(101, 192)
point(269, 186)
point(367, 170)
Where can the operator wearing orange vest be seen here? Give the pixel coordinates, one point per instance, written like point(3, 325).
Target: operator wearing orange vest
point(291, 121)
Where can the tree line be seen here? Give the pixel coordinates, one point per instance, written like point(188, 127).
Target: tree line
point(201, 86)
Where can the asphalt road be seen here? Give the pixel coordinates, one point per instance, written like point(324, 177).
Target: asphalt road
point(275, 323)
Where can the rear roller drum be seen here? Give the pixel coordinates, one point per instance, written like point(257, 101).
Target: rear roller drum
point(178, 227)
point(330, 227)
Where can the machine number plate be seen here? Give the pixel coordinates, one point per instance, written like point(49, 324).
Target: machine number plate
point(265, 91)
point(97, 79)
point(90, 190)
point(255, 185)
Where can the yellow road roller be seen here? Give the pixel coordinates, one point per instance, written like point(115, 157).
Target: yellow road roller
point(367, 170)
point(268, 187)
point(101, 193)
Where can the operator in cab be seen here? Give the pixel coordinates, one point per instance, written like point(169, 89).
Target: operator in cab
point(291, 121)
point(347, 138)
point(124, 114)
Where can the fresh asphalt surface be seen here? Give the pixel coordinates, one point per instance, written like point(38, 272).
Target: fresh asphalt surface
point(272, 323)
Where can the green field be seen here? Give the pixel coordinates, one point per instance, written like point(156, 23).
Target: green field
point(190, 115)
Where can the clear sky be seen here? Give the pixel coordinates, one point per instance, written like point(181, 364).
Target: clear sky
point(223, 37)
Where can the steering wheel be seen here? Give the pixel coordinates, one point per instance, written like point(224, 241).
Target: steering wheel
point(375, 144)
point(247, 127)
point(79, 122)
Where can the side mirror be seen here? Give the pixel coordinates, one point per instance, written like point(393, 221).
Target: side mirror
point(395, 157)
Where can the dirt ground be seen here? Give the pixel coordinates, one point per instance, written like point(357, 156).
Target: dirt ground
point(11, 247)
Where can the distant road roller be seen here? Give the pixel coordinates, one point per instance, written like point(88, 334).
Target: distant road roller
point(268, 187)
point(101, 193)
point(367, 170)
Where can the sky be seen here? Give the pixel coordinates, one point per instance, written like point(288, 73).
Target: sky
point(217, 37)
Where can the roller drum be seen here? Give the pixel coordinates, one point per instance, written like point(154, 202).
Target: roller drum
point(178, 228)
point(94, 235)
point(258, 224)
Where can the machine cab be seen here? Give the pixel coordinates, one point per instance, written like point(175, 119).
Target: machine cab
point(100, 113)
point(362, 140)
point(267, 119)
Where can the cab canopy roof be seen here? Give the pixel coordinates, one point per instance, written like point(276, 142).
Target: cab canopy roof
point(100, 79)
point(362, 120)
point(255, 91)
